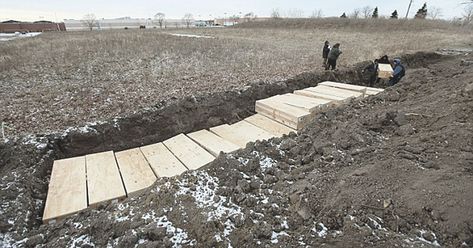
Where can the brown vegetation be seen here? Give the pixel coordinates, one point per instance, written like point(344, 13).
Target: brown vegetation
point(63, 79)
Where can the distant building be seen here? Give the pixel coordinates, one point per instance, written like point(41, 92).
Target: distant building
point(122, 23)
point(12, 26)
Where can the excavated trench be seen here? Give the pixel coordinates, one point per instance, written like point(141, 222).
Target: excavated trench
point(26, 162)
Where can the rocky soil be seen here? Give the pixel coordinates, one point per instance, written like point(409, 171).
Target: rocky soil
point(391, 170)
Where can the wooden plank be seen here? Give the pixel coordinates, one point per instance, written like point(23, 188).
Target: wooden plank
point(385, 71)
point(369, 90)
point(307, 103)
point(188, 152)
point(253, 132)
point(231, 134)
point(309, 93)
point(276, 115)
point(288, 115)
point(241, 133)
point(104, 182)
point(162, 161)
point(269, 125)
point(136, 173)
point(67, 192)
point(212, 142)
point(335, 91)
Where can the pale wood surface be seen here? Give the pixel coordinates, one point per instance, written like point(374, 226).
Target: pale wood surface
point(67, 193)
point(309, 93)
point(188, 152)
point(103, 178)
point(288, 115)
point(358, 88)
point(162, 161)
point(212, 142)
point(307, 103)
point(385, 71)
point(269, 125)
point(335, 91)
point(241, 133)
point(136, 173)
point(369, 90)
point(253, 132)
point(230, 134)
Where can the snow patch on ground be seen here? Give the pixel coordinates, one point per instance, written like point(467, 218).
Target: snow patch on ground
point(176, 235)
point(421, 238)
point(204, 193)
point(17, 35)
point(275, 235)
point(191, 36)
point(88, 128)
point(7, 241)
point(323, 232)
point(81, 241)
point(39, 142)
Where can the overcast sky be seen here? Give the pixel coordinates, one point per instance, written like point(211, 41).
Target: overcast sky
point(57, 10)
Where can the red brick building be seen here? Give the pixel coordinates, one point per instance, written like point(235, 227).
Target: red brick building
point(39, 26)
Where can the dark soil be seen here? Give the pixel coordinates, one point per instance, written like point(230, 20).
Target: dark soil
point(395, 169)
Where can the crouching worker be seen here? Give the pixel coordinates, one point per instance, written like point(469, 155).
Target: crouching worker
point(399, 72)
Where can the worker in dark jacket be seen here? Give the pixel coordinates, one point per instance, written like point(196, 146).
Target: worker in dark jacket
point(325, 52)
point(333, 57)
point(399, 72)
point(372, 71)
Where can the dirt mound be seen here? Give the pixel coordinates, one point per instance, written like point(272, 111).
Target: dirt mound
point(390, 170)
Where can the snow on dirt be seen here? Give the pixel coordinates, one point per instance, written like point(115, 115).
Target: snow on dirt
point(391, 170)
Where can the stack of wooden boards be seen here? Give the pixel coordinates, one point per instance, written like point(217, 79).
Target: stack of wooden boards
point(94, 179)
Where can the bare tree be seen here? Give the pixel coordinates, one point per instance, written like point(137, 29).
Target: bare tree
point(159, 19)
point(355, 14)
point(468, 15)
point(317, 13)
point(188, 18)
point(275, 14)
point(90, 21)
point(249, 17)
point(434, 13)
point(366, 12)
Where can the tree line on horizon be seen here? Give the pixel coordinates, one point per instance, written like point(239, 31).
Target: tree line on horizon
point(367, 12)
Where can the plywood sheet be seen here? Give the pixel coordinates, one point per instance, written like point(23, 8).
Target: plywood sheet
point(241, 133)
point(162, 161)
point(253, 132)
point(188, 152)
point(269, 125)
point(212, 142)
point(230, 134)
point(67, 193)
point(104, 182)
point(136, 173)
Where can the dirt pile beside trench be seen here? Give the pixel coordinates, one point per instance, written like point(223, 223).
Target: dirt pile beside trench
point(390, 170)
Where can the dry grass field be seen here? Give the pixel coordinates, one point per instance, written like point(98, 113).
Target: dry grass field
point(56, 80)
